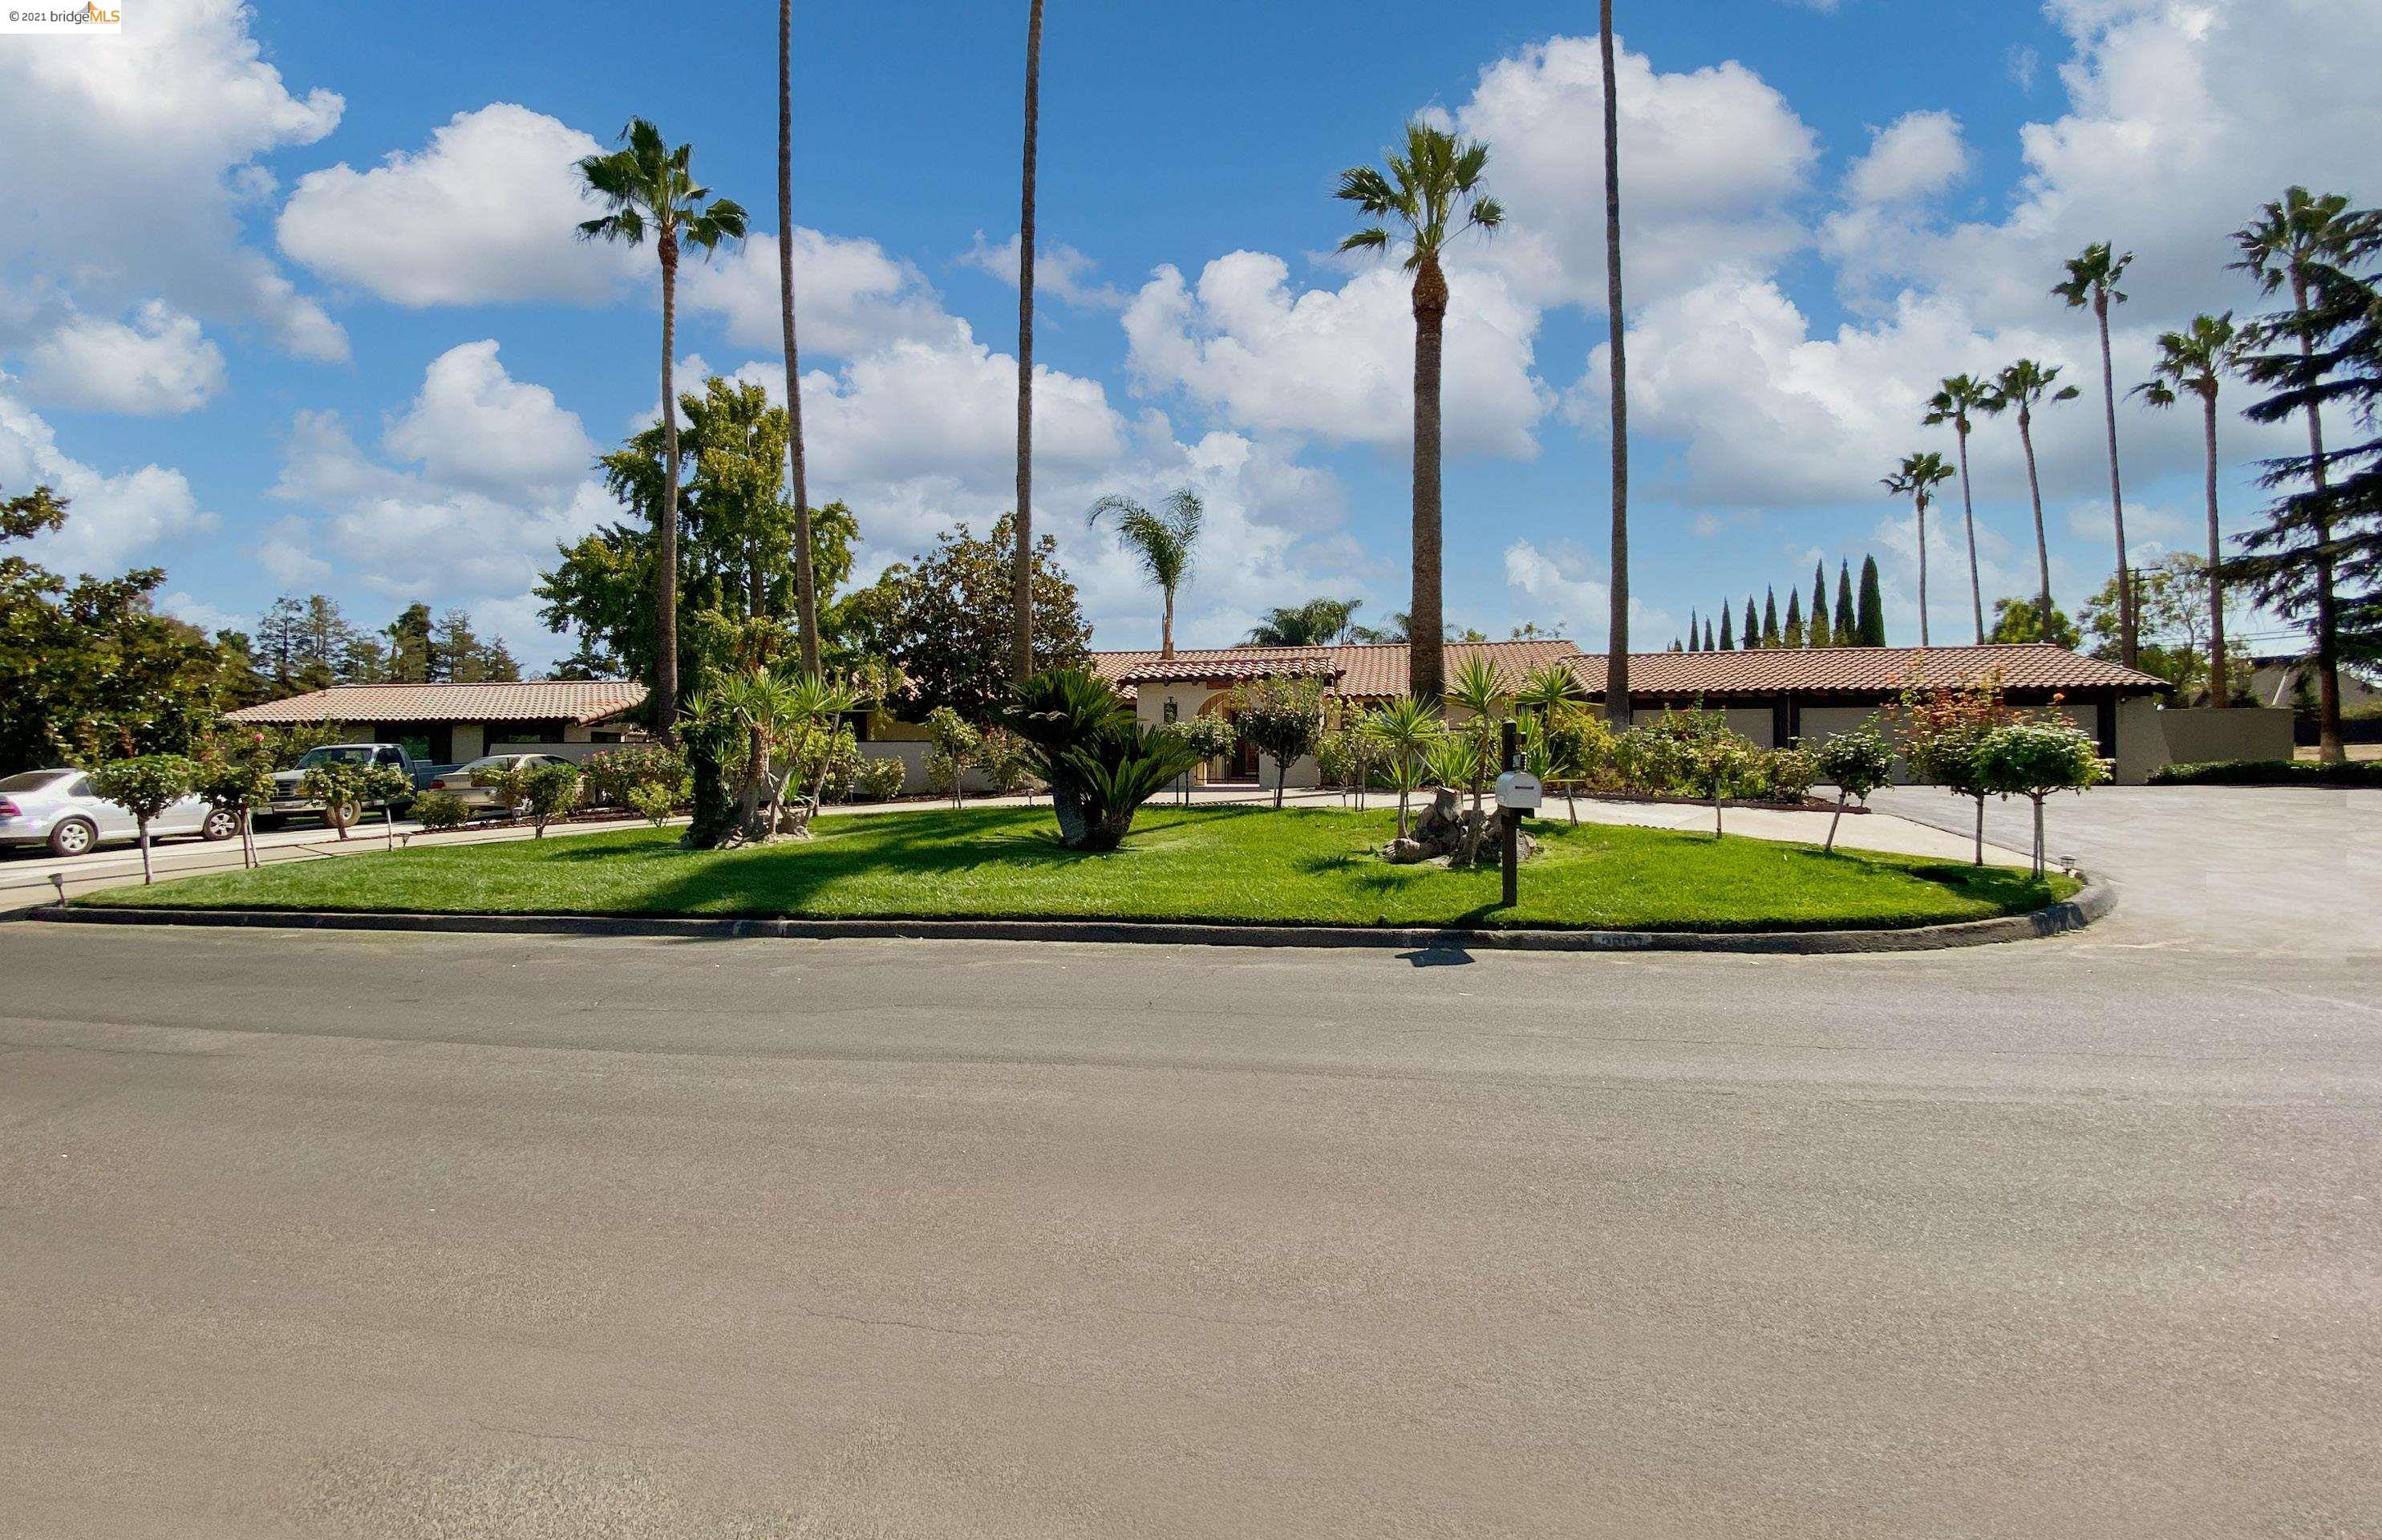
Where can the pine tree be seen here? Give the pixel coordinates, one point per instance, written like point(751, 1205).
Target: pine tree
point(1770, 638)
point(1793, 635)
point(1727, 637)
point(1752, 625)
point(1818, 636)
point(1871, 626)
point(409, 645)
point(1846, 634)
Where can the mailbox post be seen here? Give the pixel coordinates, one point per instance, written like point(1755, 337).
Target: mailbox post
point(1518, 792)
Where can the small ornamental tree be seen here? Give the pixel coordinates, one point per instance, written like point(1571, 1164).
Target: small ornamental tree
point(1856, 763)
point(1941, 726)
point(955, 742)
point(437, 811)
point(1283, 718)
point(615, 773)
point(548, 791)
point(2034, 759)
point(238, 779)
point(344, 790)
point(1207, 735)
point(146, 786)
point(1716, 762)
point(1001, 759)
point(511, 782)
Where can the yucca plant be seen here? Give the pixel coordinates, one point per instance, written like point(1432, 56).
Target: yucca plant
point(1405, 728)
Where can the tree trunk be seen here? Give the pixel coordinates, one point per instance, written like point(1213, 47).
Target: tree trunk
point(2126, 650)
point(1922, 568)
point(2219, 691)
point(1166, 627)
point(1835, 818)
point(1427, 630)
point(1617, 650)
point(1022, 578)
point(1968, 508)
point(2327, 627)
point(2034, 493)
point(1980, 832)
point(806, 580)
point(145, 877)
point(1716, 813)
point(666, 537)
point(1402, 812)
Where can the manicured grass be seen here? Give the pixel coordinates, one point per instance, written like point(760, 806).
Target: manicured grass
point(1225, 864)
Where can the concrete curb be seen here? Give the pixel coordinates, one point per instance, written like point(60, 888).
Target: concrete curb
point(2095, 899)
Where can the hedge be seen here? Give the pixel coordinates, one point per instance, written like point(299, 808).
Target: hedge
point(2269, 772)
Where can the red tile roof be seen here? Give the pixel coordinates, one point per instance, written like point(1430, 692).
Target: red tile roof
point(1378, 671)
point(570, 700)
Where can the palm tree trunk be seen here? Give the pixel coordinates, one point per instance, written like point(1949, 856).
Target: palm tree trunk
point(2125, 649)
point(1166, 627)
point(2328, 625)
point(1022, 578)
point(1968, 508)
point(2219, 695)
point(1427, 630)
point(2042, 548)
point(666, 537)
point(1616, 649)
point(1923, 569)
point(806, 580)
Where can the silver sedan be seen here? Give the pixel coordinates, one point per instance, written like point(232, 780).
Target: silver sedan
point(58, 809)
point(459, 781)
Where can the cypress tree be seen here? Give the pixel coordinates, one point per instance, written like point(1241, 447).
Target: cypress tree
point(1818, 635)
point(1708, 638)
point(1846, 635)
point(1769, 617)
point(1675, 647)
point(1871, 623)
point(1793, 635)
point(1694, 643)
point(1752, 625)
point(1727, 639)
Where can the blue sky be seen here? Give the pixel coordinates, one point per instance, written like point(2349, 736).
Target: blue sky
point(294, 308)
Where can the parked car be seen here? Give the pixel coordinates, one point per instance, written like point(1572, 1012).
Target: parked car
point(459, 781)
point(289, 801)
point(57, 808)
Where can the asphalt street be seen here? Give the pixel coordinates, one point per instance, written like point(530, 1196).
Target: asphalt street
point(389, 1235)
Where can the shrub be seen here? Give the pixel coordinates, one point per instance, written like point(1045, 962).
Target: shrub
point(653, 803)
point(828, 759)
point(1100, 765)
point(1788, 774)
point(613, 773)
point(441, 810)
point(510, 783)
point(1209, 737)
point(956, 741)
point(1001, 756)
point(548, 791)
point(146, 785)
point(879, 779)
point(2269, 772)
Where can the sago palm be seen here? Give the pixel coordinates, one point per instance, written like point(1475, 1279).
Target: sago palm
point(1161, 541)
point(646, 187)
point(2024, 386)
point(1917, 478)
point(2092, 277)
point(1433, 193)
point(1958, 403)
point(2195, 360)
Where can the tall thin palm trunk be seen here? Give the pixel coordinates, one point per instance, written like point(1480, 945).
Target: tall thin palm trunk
point(1923, 569)
point(1616, 649)
point(2034, 493)
point(1427, 632)
point(2327, 625)
point(2219, 694)
point(1166, 627)
point(806, 580)
point(1022, 579)
point(1969, 509)
point(2125, 649)
point(666, 537)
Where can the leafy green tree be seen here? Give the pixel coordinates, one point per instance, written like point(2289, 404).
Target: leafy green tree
point(2025, 386)
point(345, 788)
point(2195, 360)
point(236, 777)
point(2020, 620)
point(1162, 542)
point(2034, 759)
point(1283, 718)
point(2172, 611)
point(550, 792)
point(1869, 623)
point(1917, 478)
point(1958, 403)
point(146, 786)
point(944, 620)
point(1318, 622)
point(1433, 192)
point(1856, 763)
point(410, 644)
point(2092, 277)
point(955, 743)
point(646, 185)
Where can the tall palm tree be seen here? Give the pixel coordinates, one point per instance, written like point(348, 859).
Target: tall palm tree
point(1161, 542)
point(1022, 563)
point(805, 580)
point(2027, 385)
point(1917, 477)
point(1958, 402)
point(2092, 277)
point(646, 185)
point(2195, 359)
point(1616, 647)
point(1434, 192)
point(2290, 236)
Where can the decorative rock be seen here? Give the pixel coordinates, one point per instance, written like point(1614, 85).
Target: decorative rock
point(1439, 832)
point(1404, 852)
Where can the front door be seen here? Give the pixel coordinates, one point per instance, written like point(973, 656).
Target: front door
point(1245, 756)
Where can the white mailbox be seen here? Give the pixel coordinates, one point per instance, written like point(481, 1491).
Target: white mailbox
point(1518, 789)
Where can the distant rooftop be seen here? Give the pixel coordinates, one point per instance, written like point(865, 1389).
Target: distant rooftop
point(572, 700)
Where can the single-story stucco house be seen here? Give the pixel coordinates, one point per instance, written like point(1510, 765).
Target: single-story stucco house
point(1772, 695)
point(453, 724)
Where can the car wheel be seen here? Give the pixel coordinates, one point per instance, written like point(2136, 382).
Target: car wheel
point(343, 815)
point(73, 837)
point(222, 824)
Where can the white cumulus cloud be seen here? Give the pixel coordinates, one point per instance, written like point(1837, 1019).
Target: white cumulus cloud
point(158, 363)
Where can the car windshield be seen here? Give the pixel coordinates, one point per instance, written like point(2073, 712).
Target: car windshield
point(344, 753)
point(33, 780)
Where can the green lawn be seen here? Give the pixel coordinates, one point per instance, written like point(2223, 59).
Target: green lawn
point(1301, 865)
